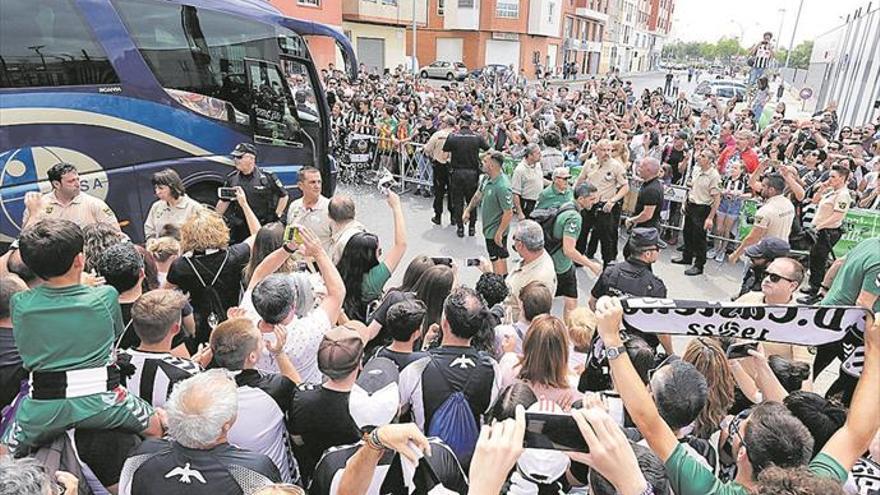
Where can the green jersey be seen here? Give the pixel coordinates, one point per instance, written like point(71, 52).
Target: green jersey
point(496, 199)
point(567, 224)
point(551, 198)
point(860, 272)
point(68, 328)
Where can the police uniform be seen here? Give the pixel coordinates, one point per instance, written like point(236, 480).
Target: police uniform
point(632, 277)
point(262, 188)
point(464, 170)
point(82, 210)
point(608, 177)
point(705, 187)
point(832, 202)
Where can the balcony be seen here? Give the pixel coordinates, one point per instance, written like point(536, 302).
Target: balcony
point(591, 14)
point(577, 45)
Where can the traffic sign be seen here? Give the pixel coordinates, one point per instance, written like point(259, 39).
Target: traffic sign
point(806, 93)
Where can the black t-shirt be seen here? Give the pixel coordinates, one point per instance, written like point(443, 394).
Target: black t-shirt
point(227, 285)
point(401, 359)
point(11, 370)
point(130, 339)
point(464, 148)
point(166, 467)
point(442, 463)
point(263, 190)
point(319, 419)
point(105, 451)
point(391, 298)
point(651, 194)
point(674, 157)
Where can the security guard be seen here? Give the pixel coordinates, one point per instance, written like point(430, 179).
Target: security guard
point(609, 176)
point(703, 200)
point(834, 201)
point(632, 277)
point(66, 201)
point(265, 193)
point(464, 149)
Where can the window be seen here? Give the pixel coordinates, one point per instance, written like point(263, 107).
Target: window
point(550, 8)
point(310, 3)
point(569, 25)
point(507, 8)
point(389, 2)
point(231, 62)
point(441, 5)
point(47, 43)
point(465, 4)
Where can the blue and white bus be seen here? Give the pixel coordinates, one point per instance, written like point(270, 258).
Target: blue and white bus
point(124, 88)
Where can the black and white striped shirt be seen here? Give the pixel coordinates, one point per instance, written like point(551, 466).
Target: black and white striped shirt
point(155, 374)
point(763, 55)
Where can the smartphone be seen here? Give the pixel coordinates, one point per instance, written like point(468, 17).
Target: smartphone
point(292, 233)
point(554, 432)
point(227, 193)
point(472, 262)
point(442, 260)
point(615, 406)
point(741, 350)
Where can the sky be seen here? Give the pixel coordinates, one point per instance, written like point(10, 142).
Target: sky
point(699, 20)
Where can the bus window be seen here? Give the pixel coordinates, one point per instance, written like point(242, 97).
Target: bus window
point(202, 58)
point(273, 115)
point(47, 43)
point(303, 92)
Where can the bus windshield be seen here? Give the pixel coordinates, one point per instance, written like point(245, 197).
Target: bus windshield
point(222, 66)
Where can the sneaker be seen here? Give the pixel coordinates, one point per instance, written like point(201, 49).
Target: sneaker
point(711, 254)
point(720, 257)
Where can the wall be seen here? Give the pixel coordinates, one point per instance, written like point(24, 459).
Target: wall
point(322, 48)
point(545, 17)
point(461, 18)
point(395, 51)
point(401, 14)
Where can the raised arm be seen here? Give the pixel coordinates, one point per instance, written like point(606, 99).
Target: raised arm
point(863, 419)
point(636, 397)
point(332, 301)
point(395, 254)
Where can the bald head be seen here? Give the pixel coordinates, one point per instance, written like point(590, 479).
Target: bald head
point(649, 168)
point(341, 208)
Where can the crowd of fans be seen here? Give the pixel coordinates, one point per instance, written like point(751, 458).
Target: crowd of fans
point(256, 347)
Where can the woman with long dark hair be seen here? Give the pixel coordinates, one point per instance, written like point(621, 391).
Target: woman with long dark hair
point(269, 238)
point(364, 273)
point(411, 276)
point(432, 289)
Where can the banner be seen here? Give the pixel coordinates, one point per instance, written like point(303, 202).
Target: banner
point(801, 325)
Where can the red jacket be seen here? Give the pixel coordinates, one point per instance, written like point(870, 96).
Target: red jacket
point(748, 157)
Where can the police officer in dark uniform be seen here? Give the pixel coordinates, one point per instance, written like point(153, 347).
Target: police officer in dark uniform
point(464, 149)
point(632, 277)
point(265, 193)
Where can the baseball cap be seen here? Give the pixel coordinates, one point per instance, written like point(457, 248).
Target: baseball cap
point(643, 238)
point(541, 465)
point(242, 148)
point(340, 352)
point(769, 248)
point(375, 399)
point(561, 172)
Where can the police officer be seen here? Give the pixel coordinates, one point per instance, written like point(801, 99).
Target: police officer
point(632, 277)
point(265, 193)
point(703, 199)
point(464, 149)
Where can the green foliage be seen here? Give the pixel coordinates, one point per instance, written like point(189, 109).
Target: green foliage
point(723, 49)
point(800, 56)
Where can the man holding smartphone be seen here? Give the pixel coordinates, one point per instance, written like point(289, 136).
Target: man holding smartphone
point(496, 207)
point(264, 191)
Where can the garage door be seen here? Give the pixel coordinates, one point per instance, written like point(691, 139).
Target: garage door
point(371, 52)
point(449, 49)
point(503, 52)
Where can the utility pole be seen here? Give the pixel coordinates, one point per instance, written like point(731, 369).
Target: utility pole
point(781, 23)
point(797, 20)
point(412, 59)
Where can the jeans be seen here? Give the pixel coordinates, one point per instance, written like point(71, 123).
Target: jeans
point(755, 74)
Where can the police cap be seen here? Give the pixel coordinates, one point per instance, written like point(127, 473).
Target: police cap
point(644, 238)
point(242, 148)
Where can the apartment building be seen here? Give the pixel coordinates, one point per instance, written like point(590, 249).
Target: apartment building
point(521, 33)
point(659, 26)
point(329, 12)
point(583, 29)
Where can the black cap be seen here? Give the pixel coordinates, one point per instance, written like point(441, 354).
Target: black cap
point(465, 117)
point(643, 238)
point(769, 248)
point(242, 148)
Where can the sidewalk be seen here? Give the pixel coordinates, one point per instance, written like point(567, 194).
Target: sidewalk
point(584, 78)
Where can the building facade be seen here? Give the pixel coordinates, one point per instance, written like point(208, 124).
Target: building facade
point(377, 29)
point(583, 29)
point(329, 12)
point(659, 26)
point(519, 33)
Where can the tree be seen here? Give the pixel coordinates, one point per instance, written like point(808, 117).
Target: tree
point(727, 48)
point(800, 56)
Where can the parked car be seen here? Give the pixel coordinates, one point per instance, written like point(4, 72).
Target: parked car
point(444, 70)
point(722, 89)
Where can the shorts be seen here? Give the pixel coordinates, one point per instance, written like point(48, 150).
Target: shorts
point(40, 421)
point(567, 283)
point(730, 207)
point(497, 252)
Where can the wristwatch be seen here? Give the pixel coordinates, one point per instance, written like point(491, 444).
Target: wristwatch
point(613, 353)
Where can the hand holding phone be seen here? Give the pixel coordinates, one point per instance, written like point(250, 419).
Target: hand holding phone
point(442, 260)
point(553, 431)
point(292, 234)
point(473, 262)
point(741, 350)
point(226, 193)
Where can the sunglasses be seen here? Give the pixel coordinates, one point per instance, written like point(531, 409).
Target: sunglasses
point(775, 277)
point(699, 140)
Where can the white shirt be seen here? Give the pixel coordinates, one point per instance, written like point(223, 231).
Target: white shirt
point(316, 218)
point(528, 180)
point(162, 214)
point(341, 237)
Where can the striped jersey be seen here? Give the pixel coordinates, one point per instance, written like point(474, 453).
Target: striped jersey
point(155, 374)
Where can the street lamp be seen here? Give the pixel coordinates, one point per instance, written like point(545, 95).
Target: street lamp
point(781, 23)
point(797, 20)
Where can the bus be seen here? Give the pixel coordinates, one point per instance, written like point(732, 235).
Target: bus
point(125, 88)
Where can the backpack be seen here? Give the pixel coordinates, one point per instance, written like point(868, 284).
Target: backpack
point(215, 313)
point(546, 217)
point(454, 421)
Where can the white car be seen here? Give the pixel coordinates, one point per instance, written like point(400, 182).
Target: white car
point(445, 70)
point(722, 89)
